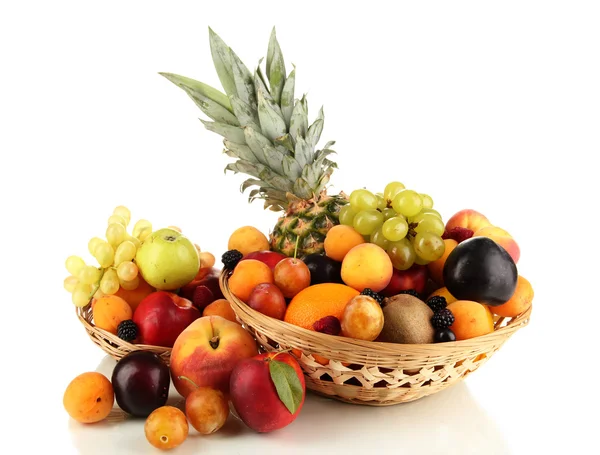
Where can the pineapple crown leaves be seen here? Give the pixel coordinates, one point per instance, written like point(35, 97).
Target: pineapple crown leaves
point(265, 129)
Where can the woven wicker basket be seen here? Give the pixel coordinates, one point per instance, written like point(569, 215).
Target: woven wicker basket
point(373, 373)
point(112, 344)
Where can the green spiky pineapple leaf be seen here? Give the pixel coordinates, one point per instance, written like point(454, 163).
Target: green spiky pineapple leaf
point(275, 68)
point(221, 55)
point(196, 87)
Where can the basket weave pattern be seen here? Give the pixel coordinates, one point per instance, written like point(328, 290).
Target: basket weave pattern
point(373, 373)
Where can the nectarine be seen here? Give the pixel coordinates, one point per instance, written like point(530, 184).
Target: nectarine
point(469, 219)
point(502, 238)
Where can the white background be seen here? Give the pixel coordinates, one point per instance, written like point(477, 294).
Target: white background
point(490, 106)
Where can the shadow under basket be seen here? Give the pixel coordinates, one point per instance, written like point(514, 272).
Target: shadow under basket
point(112, 344)
point(367, 372)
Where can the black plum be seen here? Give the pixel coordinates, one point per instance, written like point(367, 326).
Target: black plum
point(323, 269)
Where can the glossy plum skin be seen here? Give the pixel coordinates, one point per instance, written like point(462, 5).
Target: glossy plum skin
point(323, 269)
point(141, 382)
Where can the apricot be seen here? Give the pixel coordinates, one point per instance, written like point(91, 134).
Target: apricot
point(436, 268)
point(109, 311)
point(362, 319)
point(471, 319)
point(89, 397)
point(340, 240)
point(248, 239)
point(220, 307)
point(135, 296)
point(166, 427)
point(443, 292)
point(519, 302)
point(247, 275)
point(367, 266)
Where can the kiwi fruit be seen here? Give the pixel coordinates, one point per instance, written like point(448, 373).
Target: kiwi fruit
point(407, 320)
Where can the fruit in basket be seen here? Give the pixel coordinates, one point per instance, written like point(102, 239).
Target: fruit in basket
point(162, 316)
point(519, 302)
point(127, 331)
point(339, 240)
point(367, 266)
point(502, 238)
point(247, 275)
point(362, 318)
point(481, 270)
point(167, 259)
point(469, 219)
point(109, 311)
point(444, 336)
point(267, 298)
point(220, 307)
point(141, 383)
point(268, 391)
point(166, 427)
point(323, 269)
point(407, 320)
point(206, 408)
point(89, 397)
point(268, 134)
point(247, 239)
point(471, 319)
point(436, 268)
point(318, 301)
point(206, 352)
point(271, 258)
point(203, 289)
point(135, 296)
point(443, 292)
point(403, 280)
point(291, 276)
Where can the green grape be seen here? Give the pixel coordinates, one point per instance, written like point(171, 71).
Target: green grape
point(89, 275)
point(70, 283)
point(123, 212)
point(426, 201)
point(381, 203)
point(127, 271)
point(115, 234)
point(125, 252)
point(74, 265)
point(109, 284)
point(395, 229)
point(407, 203)
point(429, 246)
point(388, 213)
point(81, 295)
point(104, 254)
point(431, 211)
point(391, 189)
point(420, 261)
point(347, 214)
point(93, 243)
point(430, 223)
point(130, 285)
point(367, 221)
point(142, 229)
point(363, 200)
point(401, 253)
point(379, 239)
point(117, 219)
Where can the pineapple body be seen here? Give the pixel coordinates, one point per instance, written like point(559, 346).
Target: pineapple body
point(306, 223)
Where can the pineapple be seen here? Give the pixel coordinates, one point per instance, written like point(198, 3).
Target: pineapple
point(268, 134)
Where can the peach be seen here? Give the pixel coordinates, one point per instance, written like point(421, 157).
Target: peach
point(471, 319)
point(468, 219)
point(362, 319)
point(367, 266)
point(436, 268)
point(502, 238)
point(206, 352)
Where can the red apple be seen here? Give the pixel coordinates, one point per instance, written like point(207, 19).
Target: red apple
point(207, 351)
point(162, 316)
point(204, 289)
point(271, 258)
point(256, 385)
point(403, 280)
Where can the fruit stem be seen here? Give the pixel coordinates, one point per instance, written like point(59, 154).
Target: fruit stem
point(188, 379)
point(214, 342)
point(97, 285)
point(296, 247)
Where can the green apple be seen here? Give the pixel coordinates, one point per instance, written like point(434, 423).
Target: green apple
point(167, 260)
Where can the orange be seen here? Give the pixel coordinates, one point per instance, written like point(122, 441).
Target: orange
point(89, 397)
point(248, 274)
point(248, 239)
point(220, 307)
point(109, 311)
point(317, 301)
point(339, 240)
point(519, 302)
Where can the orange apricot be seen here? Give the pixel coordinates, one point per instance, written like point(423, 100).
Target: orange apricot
point(248, 274)
point(436, 268)
point(519, 302)
point(220, 307)
point(367, 266)
point(135, 296)
point(339, 240)
point(89, 397)
point(109, 311)
point(247, 239)
point(471, 319)
point(443, 292)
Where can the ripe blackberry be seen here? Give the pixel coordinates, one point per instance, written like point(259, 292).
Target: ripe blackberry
point(231, 258)
point(437, 303)
point(127, 330)
point(410, 292)
point(442, 319)
point(371, 293)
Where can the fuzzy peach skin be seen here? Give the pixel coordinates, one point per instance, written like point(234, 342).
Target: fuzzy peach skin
point(469, 219)
point(502, 238)
point(207, 351)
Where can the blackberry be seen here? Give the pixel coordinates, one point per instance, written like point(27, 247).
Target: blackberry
point(442, 319)
point(371, 293)
point(231, 258)
point(410, 292)
point(127, 330)
point(444, 335)
point(437, 303)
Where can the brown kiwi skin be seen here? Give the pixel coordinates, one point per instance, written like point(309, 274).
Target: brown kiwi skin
point(407, 320)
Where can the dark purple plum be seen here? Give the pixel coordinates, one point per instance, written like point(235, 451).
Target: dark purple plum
point(141, 381)
point(323, 269)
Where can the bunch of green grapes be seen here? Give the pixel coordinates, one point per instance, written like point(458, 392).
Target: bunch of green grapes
point(399, 220)
point(114, 255)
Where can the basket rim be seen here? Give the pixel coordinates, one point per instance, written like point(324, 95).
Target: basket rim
point(383, 348)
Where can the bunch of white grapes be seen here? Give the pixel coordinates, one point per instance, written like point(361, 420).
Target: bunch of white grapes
point(114, 254)
point(399, 220)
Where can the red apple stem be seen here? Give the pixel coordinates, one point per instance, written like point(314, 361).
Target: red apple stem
point(188, 379)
